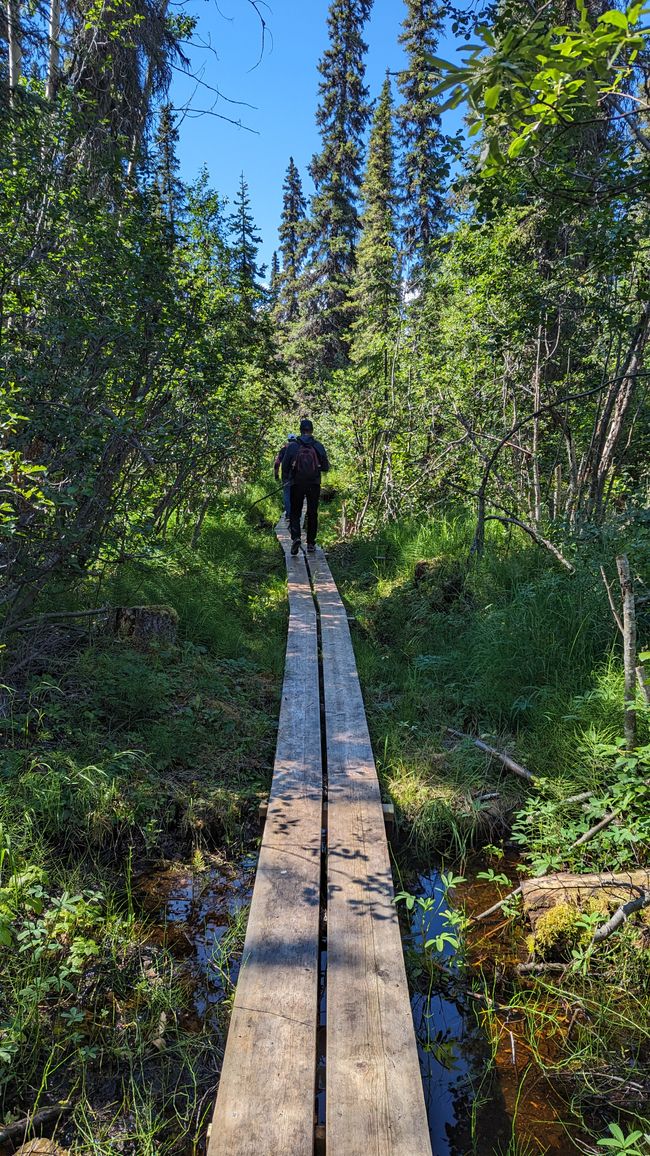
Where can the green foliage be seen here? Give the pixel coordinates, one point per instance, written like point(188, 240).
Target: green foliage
point(541, 74)
point(516, 651)
point(635, 1143)
point(116, 756)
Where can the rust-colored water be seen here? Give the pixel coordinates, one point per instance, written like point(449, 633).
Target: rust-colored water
point(481, 1094)
point(193, 910)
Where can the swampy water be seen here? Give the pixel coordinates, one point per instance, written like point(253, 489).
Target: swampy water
point(473, 1090)
point(194, 911)
point(480, 1099)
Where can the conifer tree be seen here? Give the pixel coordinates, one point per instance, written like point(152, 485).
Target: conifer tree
point(342, 118)
point(274, 279)
point(377, 287)
point(168, 186)
point(368, 395)
point(425, 165)
point(247, 274)
point(292, 244)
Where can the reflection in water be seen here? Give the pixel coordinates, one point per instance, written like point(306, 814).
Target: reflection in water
point(196, 909)
point(473, 1104)
point(466, 1112)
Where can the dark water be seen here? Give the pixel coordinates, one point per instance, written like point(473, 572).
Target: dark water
point(474, 1105)
point(196, 909)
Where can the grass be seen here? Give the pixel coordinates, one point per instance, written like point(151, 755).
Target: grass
point(526, 655)
point(117, 757)
point(512, 648)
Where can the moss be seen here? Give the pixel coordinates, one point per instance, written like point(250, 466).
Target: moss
point(557, 933)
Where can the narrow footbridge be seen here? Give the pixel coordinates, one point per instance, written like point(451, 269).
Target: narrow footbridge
point(321, 1011)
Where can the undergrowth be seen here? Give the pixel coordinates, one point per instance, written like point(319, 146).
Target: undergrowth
point(117, 756)
point(511, 648)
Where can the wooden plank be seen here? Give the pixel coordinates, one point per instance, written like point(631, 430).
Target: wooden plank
point(267, 1088)
point(375, 1099)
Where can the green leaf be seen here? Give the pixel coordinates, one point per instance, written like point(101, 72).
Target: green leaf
point(491, 95)
point(614, 17)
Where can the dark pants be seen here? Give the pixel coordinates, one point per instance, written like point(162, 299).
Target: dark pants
point(300, 491)
point(286, 497)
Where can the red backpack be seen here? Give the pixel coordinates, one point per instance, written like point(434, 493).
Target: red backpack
point(306, 464)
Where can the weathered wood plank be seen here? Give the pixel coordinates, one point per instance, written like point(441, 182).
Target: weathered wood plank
point(267, 1088)
point(375, 1099)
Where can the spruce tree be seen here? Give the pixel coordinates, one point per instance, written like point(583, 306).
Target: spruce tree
point(425, 164)
point(247, 274)
point(167, 185)
point(377, 291)
point(274, 279)
point(342, 118)
point(292, 244)
point(368, 394)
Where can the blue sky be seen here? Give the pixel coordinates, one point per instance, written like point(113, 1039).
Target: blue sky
point(278, 85)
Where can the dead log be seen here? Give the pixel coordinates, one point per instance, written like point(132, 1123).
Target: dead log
point(19, 1129)
point(540, 895)
point(146, 624)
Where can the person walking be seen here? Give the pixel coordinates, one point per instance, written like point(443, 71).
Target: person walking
point(286, 486)
point(302, 464)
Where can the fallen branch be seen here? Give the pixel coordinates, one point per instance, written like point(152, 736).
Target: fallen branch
point(591, 834)
point(621, 915)
point(583, 797)
point(55, 616)
point(539, 968)
point(497, 906)
point(507, 761)
point(610, 597)
point(19, 1129)
point(532, 533)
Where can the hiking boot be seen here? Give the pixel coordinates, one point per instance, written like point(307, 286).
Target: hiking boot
point(295, 546)
point(311, 547)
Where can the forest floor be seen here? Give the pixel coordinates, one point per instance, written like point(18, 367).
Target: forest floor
point(128, 807)
point(130, 785)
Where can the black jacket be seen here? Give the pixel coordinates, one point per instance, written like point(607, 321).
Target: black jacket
point(291, 453)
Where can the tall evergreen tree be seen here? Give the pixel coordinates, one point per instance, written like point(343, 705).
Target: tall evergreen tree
point(425, 163)
point(247, 274)
point(342, 118)
point(377, 291)
point(274, 279)
point(292, 244)
point(368, 394)
point(168, 186)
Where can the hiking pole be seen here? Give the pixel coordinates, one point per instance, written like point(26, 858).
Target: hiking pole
point(265, 496)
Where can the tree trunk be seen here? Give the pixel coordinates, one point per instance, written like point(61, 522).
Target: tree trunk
point(537, 402)
point(54, 53)
point(629, 648)
point(15, 47)
point(613, 418)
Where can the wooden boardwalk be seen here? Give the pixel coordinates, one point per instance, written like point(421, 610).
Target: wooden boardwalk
point(267, 1092)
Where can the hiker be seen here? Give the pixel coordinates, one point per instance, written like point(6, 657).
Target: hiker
point(286, 486)
point(303, 461)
